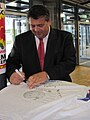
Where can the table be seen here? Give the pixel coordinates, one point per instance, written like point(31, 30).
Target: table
point(55, 100)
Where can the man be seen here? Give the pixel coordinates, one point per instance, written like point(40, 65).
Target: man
point(59, 52)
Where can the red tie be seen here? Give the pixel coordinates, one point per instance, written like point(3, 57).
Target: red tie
point(41, 53)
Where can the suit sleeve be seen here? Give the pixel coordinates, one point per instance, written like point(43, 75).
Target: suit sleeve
point(13, 61)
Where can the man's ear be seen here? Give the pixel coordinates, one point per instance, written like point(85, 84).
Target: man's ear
point(49, 22)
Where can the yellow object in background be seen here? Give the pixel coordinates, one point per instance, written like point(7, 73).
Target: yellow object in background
point(2, 40)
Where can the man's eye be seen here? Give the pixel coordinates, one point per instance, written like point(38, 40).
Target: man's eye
point(32, 26)
point(41, 25)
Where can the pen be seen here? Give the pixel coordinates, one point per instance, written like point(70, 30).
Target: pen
point(19, 73)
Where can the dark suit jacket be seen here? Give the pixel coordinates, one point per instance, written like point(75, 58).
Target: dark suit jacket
point(60, 59)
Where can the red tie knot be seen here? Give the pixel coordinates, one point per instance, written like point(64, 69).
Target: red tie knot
point(41, 39)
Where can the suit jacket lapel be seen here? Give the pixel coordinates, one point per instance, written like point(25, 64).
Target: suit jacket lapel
point(50, 47)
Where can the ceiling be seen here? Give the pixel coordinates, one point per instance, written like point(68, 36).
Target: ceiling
point(83, 3)
point(23, 5)
point(17, 5)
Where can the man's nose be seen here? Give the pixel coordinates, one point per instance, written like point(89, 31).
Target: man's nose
point(36, 28)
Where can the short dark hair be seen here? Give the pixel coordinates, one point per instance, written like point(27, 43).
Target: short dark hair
point(38, 11)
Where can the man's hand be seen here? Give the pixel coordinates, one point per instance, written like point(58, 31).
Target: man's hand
point(37, 79)
point(16, 79)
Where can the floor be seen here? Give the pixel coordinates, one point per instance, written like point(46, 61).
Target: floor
point(81, 75)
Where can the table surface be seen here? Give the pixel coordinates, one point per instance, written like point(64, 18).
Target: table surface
point(55, 100)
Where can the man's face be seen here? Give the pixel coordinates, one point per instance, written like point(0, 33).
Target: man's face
point(39, 27)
